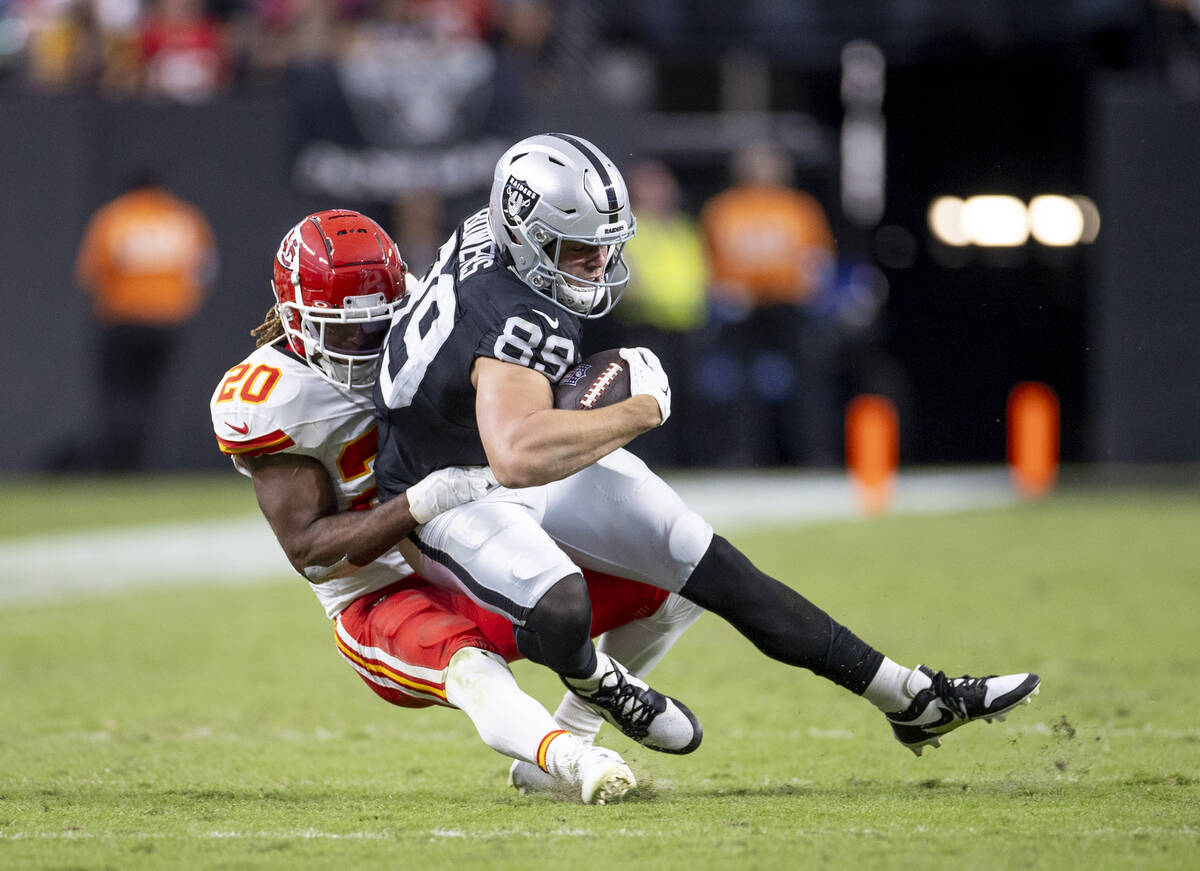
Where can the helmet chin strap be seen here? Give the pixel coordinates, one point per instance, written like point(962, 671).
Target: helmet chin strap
point(305, 339)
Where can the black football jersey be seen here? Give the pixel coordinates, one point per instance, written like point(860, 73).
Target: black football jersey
point(468, 305)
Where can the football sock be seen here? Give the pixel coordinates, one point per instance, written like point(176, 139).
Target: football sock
point(479, 683)
point(779, 621)
point(561, 752)
point(578, 718)
point(894, 687)
point(590, 680)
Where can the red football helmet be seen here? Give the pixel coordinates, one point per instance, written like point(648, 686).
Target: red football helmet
point(338, 280)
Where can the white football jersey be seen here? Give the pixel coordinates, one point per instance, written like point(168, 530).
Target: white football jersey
point(272, 403)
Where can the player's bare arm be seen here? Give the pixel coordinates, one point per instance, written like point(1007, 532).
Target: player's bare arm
point(297, 497)
point(529, 442)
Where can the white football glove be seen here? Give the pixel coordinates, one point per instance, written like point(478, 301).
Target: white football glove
point(447, 488)
point(646, 375)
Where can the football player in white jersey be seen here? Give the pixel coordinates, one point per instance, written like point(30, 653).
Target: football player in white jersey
point(296, 417)
point(471, 359)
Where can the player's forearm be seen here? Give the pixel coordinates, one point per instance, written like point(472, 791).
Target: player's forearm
point(551, 444)
point(338, 544)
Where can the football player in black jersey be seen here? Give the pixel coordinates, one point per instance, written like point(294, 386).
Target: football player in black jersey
point(471, 359)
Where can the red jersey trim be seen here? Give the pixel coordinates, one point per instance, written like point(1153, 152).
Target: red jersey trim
point(267, 444)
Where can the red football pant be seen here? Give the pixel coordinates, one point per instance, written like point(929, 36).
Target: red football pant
point(400, 639)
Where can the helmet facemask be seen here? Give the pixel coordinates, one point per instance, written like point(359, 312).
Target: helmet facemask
point(588, 298)
point(343, 345)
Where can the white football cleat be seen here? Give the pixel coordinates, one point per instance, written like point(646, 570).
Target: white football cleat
point(526, 778)
point(597, 775)
point(603, 776)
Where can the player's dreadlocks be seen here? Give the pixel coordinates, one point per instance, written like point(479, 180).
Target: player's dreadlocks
point(269, 330)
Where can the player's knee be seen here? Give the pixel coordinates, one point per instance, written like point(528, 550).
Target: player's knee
point(689, 539)
point(468, 662)
point(723, 578)
point(565, 611)
point(471, 668)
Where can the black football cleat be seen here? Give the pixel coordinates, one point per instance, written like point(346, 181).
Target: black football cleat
point(641, 713)
point(948, 703)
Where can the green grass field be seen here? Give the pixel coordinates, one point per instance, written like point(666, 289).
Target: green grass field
point(218, 728)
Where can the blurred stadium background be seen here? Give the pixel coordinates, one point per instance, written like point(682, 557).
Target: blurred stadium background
point(265, 110)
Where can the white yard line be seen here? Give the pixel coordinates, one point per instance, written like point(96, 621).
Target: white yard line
point(243, 550)
point(107, 560)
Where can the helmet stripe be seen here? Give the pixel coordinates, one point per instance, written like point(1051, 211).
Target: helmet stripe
point(316, 222)
point(606, 179)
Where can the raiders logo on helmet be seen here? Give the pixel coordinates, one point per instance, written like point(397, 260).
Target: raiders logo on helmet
point(519, 200)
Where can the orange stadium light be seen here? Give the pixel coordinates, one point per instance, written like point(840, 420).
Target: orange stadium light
point(1033, 433)
point(873, 450)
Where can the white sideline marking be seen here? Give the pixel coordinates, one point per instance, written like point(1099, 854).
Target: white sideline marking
point(243, 550)
point(55, 567)
point(755, 497)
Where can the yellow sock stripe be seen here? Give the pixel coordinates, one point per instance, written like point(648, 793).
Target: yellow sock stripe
point(383, 671)
point(545, 746)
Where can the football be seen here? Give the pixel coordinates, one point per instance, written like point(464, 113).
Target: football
point(594, 382)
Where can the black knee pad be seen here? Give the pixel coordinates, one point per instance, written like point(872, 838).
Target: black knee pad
point(565, 609)
point(557, 632)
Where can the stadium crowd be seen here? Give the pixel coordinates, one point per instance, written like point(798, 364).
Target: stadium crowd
point(193, 50)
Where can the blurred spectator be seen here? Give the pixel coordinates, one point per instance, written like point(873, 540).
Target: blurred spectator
point(414, 73)
point(272, 38)
point(418, 226)
point(66, 48)
point(526, 83)
point(185, 55)
point(145, 259)
point(665, 305)
point(770, 378)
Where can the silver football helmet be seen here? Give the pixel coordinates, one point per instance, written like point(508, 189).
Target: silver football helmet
point(554, 188)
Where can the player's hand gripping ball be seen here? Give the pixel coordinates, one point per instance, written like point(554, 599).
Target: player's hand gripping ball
point(594, 382)
point(612, 375)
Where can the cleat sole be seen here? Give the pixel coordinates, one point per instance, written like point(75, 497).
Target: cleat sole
point(613, 787)
point(918, 749)
point(1027, 699)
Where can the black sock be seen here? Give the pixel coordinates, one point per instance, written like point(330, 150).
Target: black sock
point(779, 621)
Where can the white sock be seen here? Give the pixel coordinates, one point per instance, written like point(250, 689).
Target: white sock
point(561, 756)
point(603, 666)
point(479, 683)
point(894, 687)
point(578, 718)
